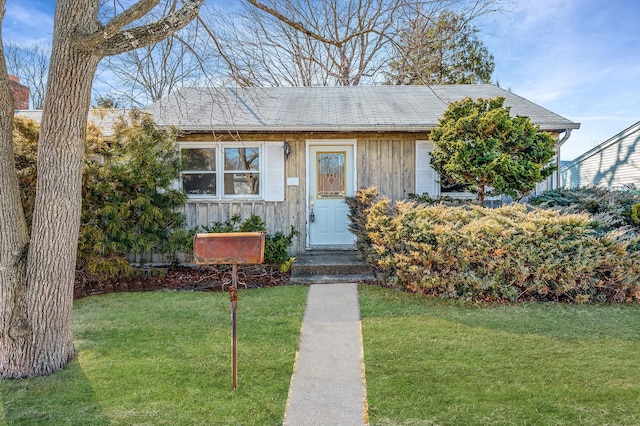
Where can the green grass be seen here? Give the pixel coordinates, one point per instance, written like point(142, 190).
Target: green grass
point(165, 358)
point(430, 361)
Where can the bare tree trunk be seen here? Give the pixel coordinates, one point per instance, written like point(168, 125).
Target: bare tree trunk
point(13, 235)
point(35, 304)
point(45, 343)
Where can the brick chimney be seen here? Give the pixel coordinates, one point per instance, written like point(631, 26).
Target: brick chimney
point(20, 93)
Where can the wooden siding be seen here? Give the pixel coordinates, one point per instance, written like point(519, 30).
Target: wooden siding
point(388, 164)
point(615, 164)
point(381, 161)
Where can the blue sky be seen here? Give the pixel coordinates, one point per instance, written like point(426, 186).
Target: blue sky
point(577, 58)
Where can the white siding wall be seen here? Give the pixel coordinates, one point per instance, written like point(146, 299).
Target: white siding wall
point(614, 164)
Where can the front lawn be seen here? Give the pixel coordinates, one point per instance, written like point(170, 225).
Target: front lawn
point(430, 361)
point(165, 358)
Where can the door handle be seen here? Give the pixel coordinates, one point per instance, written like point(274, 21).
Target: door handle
point(312, 215)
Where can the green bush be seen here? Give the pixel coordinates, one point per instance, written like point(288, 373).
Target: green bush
point(358, 206)
point(275, 245)
point(25, 146)
point(129, 204)
point(615, 206)
point(507, 254)
point(446, 200)
point(635, 213)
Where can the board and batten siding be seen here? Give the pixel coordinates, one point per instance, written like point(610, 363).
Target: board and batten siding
point(386, 163)
point(282, 205)
point(614, 164)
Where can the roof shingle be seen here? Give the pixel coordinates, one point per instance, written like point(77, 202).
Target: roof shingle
point(361, 108)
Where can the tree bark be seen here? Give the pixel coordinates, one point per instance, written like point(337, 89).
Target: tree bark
point(36, 294)
point(13, 234)
point(45, 343)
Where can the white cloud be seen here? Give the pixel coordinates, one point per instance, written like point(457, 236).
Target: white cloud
point(25, 22)
point(578, 58)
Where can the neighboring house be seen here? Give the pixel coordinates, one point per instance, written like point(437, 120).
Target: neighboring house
point(291, 154)
point(19, 92)
point(614, 164)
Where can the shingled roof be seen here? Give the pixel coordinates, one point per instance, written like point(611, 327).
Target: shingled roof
point(333, 109)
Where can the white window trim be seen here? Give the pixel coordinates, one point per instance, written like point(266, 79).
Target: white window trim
point(220, 173)
point(425, 172)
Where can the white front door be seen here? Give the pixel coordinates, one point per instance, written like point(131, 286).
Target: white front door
point(331, 178)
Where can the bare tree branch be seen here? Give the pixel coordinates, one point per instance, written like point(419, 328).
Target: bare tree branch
point(329, 42)
point(133, 38)
point(135, 12)
point(293, 24)
point(30, 63)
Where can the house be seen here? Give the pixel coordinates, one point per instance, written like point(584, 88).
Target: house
point(20, 93)
point(614, 164)
point(291, 154)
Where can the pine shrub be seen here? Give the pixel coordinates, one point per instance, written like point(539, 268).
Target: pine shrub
point(358, 207)
point(129, 202)
point(511, 253)
point(616, 206)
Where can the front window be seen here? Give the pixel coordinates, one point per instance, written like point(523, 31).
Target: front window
point(449, 186)
point(199, 171)
point(242, 171)
point(219, 171)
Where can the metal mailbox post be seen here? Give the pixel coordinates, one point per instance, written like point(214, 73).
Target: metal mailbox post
point(235, 248)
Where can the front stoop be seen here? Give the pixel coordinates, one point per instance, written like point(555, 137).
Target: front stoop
point(330, 267)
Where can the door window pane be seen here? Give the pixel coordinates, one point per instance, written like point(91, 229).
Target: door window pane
point(331, 182)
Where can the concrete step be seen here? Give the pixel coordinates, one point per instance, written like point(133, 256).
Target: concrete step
point(330, 267)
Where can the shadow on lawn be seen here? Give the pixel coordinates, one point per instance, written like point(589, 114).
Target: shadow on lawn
point(65, 397)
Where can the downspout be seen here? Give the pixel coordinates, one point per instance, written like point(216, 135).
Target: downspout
point(565, 137)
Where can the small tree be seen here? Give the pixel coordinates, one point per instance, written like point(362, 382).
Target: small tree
point(478, 143)
point(444, 51)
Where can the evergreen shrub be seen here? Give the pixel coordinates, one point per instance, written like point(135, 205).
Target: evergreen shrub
point(617, 206)
point(129, 201)
point(510, 253)
point(129, 204)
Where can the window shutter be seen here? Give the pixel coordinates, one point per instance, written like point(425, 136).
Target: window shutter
point(427, 179)
point(273, 172)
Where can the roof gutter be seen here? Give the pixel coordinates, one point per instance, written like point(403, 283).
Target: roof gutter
point(565, 137)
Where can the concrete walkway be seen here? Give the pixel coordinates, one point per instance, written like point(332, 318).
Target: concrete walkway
point(328, 386)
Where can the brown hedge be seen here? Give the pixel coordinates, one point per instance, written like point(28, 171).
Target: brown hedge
point(512, 253)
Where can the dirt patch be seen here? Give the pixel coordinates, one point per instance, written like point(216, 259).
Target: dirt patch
point(187, 278)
